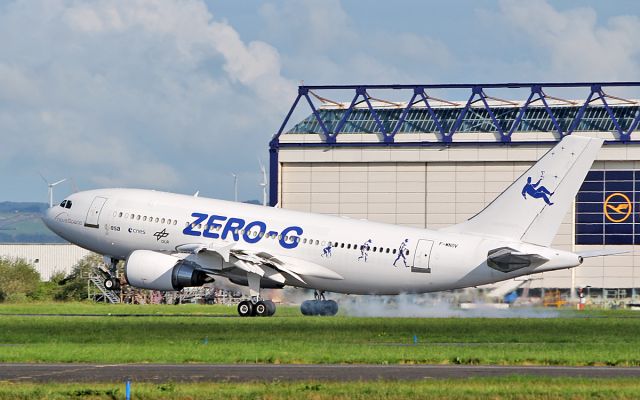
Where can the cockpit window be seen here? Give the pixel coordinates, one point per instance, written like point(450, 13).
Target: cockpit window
point(63, 204)
point(68, 204)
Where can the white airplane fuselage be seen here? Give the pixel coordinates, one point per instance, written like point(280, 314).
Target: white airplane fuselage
point(118, 222)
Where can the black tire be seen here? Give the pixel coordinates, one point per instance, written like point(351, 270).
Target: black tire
point(330, 307)
point(308, 307)
point(109, 284)
point(261, 309)
point(271, 307)
point(245, 309)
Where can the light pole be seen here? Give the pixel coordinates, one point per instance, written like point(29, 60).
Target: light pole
point(235, 187)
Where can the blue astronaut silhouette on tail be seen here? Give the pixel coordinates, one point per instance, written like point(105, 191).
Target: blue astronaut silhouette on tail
point(537, 192)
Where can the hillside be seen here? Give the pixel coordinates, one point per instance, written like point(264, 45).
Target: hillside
point(20, 223)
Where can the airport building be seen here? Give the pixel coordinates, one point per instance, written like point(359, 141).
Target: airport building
point(47, 258)
point(416, 155)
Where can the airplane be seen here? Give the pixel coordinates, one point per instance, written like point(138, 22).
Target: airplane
point(171, 241)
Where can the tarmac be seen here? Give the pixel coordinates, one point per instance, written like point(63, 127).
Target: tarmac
point(260, 372)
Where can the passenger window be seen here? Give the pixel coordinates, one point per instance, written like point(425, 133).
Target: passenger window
point(169, 222)
point(406, 253)
point(126, 215)
point(157, 219)
point(394, 251)
point(138, 217)
point(175, 222)
point(342, 245)
point(144, 218)
point(120, 214)
point(162, 221)
point(133, 216)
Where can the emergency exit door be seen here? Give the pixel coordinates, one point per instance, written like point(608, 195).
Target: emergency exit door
point(93, 215)
point(422, 256)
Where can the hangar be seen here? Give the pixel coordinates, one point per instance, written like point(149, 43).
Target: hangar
point(416, 155)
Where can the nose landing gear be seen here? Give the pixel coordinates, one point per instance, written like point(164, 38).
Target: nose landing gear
point(112, 282)
point(319, 305)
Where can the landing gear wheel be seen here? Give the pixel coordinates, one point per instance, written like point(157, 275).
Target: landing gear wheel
point(271, 307)
point(111, 284)
point(319, 307)
point(261, 309)
point(246, 309)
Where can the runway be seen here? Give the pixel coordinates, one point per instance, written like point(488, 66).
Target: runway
point(258, 372)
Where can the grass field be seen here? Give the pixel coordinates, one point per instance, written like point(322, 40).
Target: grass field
point(474, 388)
point(600, 338)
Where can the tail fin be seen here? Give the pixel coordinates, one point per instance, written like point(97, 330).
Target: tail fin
point(532, 208)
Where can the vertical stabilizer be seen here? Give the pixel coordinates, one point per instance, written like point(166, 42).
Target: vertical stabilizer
point(533, 207)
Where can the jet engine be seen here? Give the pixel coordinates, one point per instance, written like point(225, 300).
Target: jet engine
point(157, 271)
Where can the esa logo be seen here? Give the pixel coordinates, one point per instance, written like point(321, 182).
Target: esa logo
point(233, 226)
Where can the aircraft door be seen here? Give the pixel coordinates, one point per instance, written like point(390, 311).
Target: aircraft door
point(422, 256)
point(94, 212)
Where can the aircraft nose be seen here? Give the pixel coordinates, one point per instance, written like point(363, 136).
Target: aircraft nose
point(47, 217)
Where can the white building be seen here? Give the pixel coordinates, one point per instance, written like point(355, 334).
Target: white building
point(47, 259)
point(433, 163)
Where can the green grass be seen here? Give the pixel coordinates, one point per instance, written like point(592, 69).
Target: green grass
point(608, 339)
point(521, 387)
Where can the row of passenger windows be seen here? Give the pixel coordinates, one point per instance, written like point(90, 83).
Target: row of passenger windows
point(144, 218)
point(253, 234)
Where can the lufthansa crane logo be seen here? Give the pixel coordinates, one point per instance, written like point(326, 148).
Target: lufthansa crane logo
point(617, 207)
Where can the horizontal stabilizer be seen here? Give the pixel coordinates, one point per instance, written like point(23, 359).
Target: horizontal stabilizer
point(601, 252)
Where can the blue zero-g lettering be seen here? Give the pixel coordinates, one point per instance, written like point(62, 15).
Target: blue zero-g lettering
point(259, 235)
point(285, 233)
point(233, 225)
point(189, 229)
point(212, 225)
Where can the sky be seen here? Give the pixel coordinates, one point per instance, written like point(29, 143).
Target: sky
point(179, 95)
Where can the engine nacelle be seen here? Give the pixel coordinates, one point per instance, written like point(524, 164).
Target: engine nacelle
point(157, 271)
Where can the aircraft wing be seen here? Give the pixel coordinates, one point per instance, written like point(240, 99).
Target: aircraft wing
point(274, 267)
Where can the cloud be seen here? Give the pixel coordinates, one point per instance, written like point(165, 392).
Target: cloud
point(328, 46)
point(575, 46)
point(140, 93)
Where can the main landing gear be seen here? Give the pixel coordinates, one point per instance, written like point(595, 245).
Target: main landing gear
point(261, 308)
point(112, 282)
point(319, 305)
point(256, 307)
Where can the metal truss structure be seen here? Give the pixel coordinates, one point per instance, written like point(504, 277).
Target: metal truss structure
point(419, 114)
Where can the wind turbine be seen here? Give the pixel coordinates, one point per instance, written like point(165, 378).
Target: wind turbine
point(50, 186)
point(264, 183)
point(235, 187)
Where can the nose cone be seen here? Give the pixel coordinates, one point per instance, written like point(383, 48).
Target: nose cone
point(48, 216)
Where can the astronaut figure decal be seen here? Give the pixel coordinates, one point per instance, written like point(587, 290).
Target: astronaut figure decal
point(402, 250)
point(535, 191)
